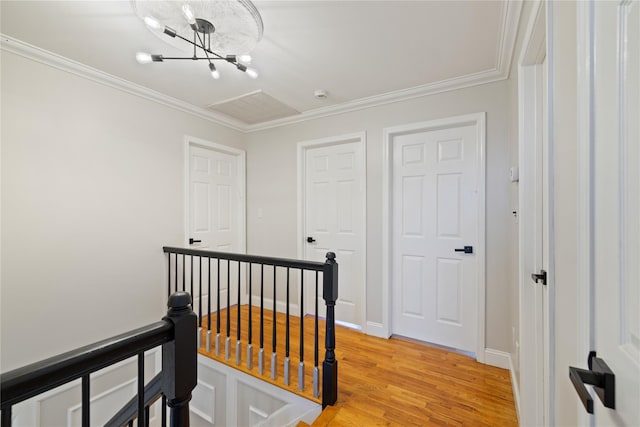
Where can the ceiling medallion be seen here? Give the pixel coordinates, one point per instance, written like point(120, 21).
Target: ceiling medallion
point(210, 30)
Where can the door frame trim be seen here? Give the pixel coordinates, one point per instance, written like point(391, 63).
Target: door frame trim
point(530, 131)
point(241, 159)
point(479, 121)
point(585, 148)
point(301, 152)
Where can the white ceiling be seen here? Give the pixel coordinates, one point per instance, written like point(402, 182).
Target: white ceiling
point(361, 52)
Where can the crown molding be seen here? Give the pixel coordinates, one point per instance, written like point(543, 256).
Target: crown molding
point(34, 53)
point(510, 22)
point(511, 12)
point(456, 83)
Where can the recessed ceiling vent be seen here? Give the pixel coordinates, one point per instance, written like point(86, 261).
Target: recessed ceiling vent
point(254, 107)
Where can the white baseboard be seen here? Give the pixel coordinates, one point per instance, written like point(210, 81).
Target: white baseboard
point(281, 306)
point(515, 386)
point(497, 358)
point(376, 329)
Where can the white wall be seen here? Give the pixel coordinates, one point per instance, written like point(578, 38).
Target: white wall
point(271, 186)
point(92, 188)
point(564, 142)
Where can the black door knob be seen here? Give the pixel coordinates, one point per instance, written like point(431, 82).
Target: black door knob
point(466, 249)
point(192, 241)
point(310, 239)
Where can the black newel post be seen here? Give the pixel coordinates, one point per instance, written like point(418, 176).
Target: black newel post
point(330, 364)
point(179, 359)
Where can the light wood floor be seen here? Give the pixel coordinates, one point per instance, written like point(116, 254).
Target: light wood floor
point(394, 382)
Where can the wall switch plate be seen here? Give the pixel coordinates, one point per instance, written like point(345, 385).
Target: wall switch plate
point(514, 174)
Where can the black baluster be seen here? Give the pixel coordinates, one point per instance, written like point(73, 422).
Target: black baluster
point(274, 356)
point(238, 328)
point(131, 422)
point(86, 401)
point(146, 416)
point(316, 381)
point(209, 307)
point(168, 275)
point(261, 352)
point(191, 274)
point(164, 411)
point(218, 312)
point(141, 389)
point(227, 349)
point(301, 364)
point(176, 273)
point(249, 325)
point(184, 271)
point(286, 344)
point(199, 298)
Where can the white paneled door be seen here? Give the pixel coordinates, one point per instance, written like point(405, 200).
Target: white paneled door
point(615, 188)
point(434, 220)
point(215, 209)
point(334, 220)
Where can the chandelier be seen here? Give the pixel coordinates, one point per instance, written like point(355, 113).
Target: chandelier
point(209, 30)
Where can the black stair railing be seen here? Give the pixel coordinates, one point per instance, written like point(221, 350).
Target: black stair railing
point(176, 333)
point(220, 272)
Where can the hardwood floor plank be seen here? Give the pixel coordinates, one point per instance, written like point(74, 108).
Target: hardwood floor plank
point(394, 382)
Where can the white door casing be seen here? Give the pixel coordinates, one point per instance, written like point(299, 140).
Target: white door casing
point(609, 191)
point(331, 210)
point(434, 204)
point(533, 354)
point(215, 210)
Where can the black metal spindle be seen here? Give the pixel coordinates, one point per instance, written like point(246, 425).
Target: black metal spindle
point(249, 325)
point(146, 416)
point(141, 389)
point(209, 298)
point(176, 272)
point(86, 401)
point(286, 345)
point(287, 364)
point(228, 299)
point(316, 371)
point(239, 317)
point(218, 300)
point(273, 328)
point(261, 350)
point(191, 275)
point(130, 423)
point(169, 275)
point(261, 306)
point(200, 296)
point(184, 271)
point(301, 364)
point(274, 355)
point(315, 345)
point(164, 411)
point(301, 315)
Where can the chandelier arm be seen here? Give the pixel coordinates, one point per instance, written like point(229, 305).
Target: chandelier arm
point(191, 58)
point(205, 49)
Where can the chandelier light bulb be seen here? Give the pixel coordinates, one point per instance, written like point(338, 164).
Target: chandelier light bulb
point(214, 73)
point(152, 23)
point(244, 58)
point(252, 73)
point(143, 57)
point(188, 14)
